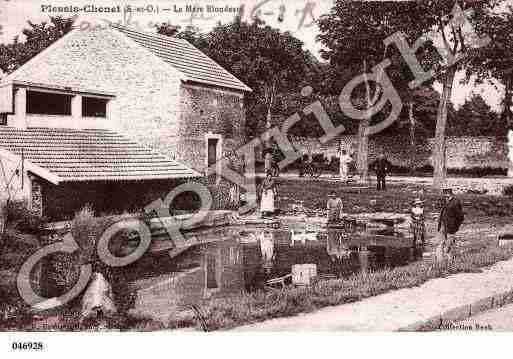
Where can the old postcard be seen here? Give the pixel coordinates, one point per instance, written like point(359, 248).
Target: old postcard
point(255, 166)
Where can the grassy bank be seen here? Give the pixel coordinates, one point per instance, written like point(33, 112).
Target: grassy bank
point(485, 215)
point(398, 198)
point(248, 308)
point(259, 306)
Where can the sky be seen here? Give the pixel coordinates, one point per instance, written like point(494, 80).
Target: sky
point(296, 16)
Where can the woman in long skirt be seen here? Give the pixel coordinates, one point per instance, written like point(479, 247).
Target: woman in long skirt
point(268, 194)
point(345, 160)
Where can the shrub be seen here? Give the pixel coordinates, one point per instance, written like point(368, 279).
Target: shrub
point(508, 191)
point(18, 216)
point(85, 230)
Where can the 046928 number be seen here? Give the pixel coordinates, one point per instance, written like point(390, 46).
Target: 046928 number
point(27, 346)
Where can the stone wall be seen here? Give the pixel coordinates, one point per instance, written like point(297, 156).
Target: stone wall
point(462, 152)
point(470, 152)
point(206, 111)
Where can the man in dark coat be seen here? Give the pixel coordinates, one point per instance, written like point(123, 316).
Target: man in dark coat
point(382, 167)
point(449, 222)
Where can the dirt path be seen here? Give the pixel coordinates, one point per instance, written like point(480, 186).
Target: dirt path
point(454, 297)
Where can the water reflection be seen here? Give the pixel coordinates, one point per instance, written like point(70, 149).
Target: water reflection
point(266, 239)
point(246, 260)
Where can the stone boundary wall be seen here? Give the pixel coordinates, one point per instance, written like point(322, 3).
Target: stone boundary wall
point(462, 152)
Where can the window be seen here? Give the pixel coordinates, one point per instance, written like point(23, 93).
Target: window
point(43, 103)
point(212, 151)
point(94, 107)
point(212, 270)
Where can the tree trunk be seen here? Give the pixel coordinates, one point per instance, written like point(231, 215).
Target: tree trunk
point(363, 151)
point(506, 119)
point(412, 138)
point(363, 139)
point(267, 144)
point(441, 123)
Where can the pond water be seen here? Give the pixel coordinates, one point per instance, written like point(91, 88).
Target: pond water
point(243, 260)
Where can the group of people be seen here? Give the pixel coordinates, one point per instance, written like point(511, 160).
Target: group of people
point(267, 191)
point(449, 221)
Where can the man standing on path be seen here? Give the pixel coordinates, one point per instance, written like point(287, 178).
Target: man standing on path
point(381, 166)
point(449, 223)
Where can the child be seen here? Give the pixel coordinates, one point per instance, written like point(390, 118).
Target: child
point(417, 221)
point(334, 207)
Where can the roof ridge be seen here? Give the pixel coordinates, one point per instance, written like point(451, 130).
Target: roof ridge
point(147, 33)
point(150, 40)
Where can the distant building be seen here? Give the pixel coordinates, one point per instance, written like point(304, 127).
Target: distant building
point(116, 118)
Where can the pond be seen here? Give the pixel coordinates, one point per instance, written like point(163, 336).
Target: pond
point(243, 259)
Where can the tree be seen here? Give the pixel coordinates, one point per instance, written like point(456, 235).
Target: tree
point(474, 118)
point(495, 62)
point(353, 35)
point(453, 24)
point(354, 29)
point(37, 38)
point(271, 62)
point(191, 33)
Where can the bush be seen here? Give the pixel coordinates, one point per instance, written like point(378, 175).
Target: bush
point(508, 191)
point(18, 216)
point(18, 219)
point(63, 269)
point(85, 230)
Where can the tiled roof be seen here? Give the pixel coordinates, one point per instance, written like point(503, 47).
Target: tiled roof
point(184, 57)
point(90, 155)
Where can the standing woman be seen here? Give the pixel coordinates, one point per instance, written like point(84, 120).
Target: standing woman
point(268, 194)
point(345, 159)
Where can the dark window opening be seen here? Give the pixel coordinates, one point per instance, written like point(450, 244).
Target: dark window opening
point(42, 103)
point(212, 151)
point(94, 107)
point(211, 272)
point(3, 119)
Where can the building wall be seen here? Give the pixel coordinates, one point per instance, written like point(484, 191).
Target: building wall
point(207, 110)
point(151, 105)
point(462, 152)
point(63, 201)
point(146, 106)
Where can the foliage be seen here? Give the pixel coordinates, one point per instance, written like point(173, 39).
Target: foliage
point(271, 62)
point(508, 191)
point(37, 38)
point(475, 118)
point(63, 269)
point(495, 62)
point(355, 28)
point(86, 229)
point(21, 218)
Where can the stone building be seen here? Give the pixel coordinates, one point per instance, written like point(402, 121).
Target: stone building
point(115, 117)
